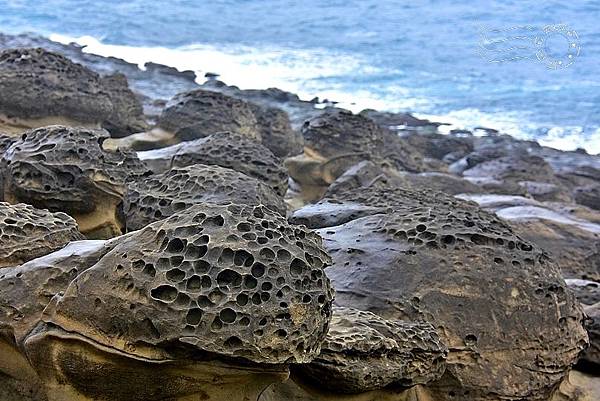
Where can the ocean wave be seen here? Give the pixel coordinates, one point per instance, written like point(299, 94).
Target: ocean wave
point(325, 74)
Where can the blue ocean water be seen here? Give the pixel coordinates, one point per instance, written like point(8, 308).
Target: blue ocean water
point(423, 56)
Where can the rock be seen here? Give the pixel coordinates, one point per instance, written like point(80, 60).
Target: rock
point(24, 293)
point(393, 120)
point(363, 352)
point(578, 387)
point(586, 291)
point(127, 115)
point(223, 149)
point(65, 169)
point(160, 196)
point(490, 294)
point(198, 113)
point(330, 213)
point(39, 88)
point(214, 300)
point(588, 196)
point(437, 146)
point(276, 131)
point(27, 233)
point(590, 360)
point(337, 140)
point(565, 232)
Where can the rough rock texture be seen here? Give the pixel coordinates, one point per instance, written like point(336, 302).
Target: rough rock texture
point(127, 115)
point(198, 113)
point(491, 295)
point(591, 358)
point(586, 291)
point(234, 280)
point(24, 293)
point(588, 196)
point(27, 233)
point(438, 146)
point(276, 131)
point(35, 83)
point(223, 149)
point(570, 233)
point(338, 139)
point(65, 169)
point(160, 196)
point(363, 352)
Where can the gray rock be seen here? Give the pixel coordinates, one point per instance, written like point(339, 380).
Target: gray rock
point(127, 115)
point(363, 352)
point(27, 233)
point(162, 195)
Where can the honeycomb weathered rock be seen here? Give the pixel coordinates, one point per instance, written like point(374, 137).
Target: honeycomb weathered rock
point(229, 280)
point(65, 169)
point(127, 115)
point(198, 113)
point(445, 261)
point(162, 195)
point(27, 233)
point(35, 84)
point(336, 140)
point(227, 150)
point(363, 352)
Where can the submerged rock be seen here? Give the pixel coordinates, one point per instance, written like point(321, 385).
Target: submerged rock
point(490, 294)
point(65, 169)
point(27, 233)
point(363, 352)
point(223, 149)
point(162, 195)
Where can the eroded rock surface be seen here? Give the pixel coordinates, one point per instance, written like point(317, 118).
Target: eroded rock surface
point(447, 262)
point(198, 113)
point(65, 169)
point(162, 195)
point(363, 352)
point(127, 116)
point(27, 233)
point(223, 149)
point(216, 299)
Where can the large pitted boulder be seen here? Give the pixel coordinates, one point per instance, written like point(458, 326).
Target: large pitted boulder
point(24, 293)
point(363, 352)
point(127, 115)
point(223, 149)
point(276, 131)
point(338, 139)
point(65, 169)
point(39, 88)
point(498, 302)
point(214, 301)
point(160, 196)
point(198, 113)
point(27, 233)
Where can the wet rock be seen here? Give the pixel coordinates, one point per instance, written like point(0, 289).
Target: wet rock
point(198, 113)
point(27, 233)
point(447, 262)
point(223, 149)
point(127, 115)
point(39, 88)
point(24, 293)
point(160, 196)
point(65, 169)
point(215, 300)
point(363, 352)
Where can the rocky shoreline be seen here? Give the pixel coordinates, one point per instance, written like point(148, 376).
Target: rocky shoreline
point(162, 239)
